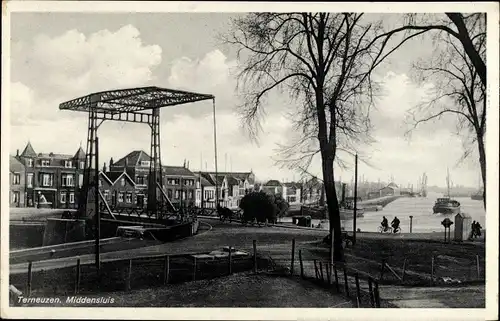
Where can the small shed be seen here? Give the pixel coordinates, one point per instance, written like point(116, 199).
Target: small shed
point(463, 223)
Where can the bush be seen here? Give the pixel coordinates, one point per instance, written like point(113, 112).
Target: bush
point(260, 206)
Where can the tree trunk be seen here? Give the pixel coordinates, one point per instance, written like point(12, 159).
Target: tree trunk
point(482, 163)
point(337, 252)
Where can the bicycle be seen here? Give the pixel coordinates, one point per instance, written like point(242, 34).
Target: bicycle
point(381, 229)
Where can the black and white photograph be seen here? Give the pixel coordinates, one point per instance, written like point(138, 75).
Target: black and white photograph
point(303, 160)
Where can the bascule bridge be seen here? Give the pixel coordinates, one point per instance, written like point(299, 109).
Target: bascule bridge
point(136, 105)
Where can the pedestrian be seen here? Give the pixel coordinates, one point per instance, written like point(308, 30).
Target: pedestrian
point(473, 229)
point(478, 229)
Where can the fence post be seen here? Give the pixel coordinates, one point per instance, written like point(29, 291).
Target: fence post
point(321, 271)
point(336, 278)
point(328, 268)
point(230, 261)
point(77, 277)
point(346, 285)
point(254, 256)
point(358, 291)
point(382, 269)
point(477, 267)
point(370, 292)
point(301, 264)
point(166, 270)
point(128, 283)
point(377, 295)
point(315, 269)
point(30, 266)
point(432, 270)
point(194, 268)
point(404, 271)
point(293, 257)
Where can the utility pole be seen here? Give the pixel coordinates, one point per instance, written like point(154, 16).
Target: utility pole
point(98, 211)
point(355, 198)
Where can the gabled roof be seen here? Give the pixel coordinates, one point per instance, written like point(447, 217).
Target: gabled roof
point(392, 185)
point(231, 181)
point(80, 154)
point(177, 171)
point(55, 156)
point(15, 165)
point(273, 182)
point(134, 158)
point(204, 182)
point(209, 178)
point(28, 151)
point(113, 177)
point(238, 175)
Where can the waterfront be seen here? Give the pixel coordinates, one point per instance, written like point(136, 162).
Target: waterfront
point(419, 207)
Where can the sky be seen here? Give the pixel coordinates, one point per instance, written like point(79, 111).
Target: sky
point(56, 57)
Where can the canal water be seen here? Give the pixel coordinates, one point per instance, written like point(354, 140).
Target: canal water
point(421, 210)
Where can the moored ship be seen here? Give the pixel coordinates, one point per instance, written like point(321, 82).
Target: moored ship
point(446, 205)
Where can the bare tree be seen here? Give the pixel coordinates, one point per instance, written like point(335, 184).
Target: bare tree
point(458, 88)
point(324, 62)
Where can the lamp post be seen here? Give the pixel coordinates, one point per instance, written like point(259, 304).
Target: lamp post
point(411, 222)
point(355, 198)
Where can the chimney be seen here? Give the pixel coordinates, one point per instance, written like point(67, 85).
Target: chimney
point(17, 153)
point(104, 168)
point(111, 162)
point(126, 162)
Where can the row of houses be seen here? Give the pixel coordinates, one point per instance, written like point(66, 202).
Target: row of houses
point(55, 181)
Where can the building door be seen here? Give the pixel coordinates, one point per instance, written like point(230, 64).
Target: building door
point(140, 201)
point(114, 196)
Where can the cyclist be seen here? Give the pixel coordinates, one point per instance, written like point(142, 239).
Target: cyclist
point(385, 224)
point(395, 224)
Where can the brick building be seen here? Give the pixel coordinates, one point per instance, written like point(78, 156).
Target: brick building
point(17, 179)
point(51, 180)
point(119, 189)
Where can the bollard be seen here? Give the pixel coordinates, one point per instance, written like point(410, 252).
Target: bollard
point(301, 264)
point(30, 266)
point(370, 292)
point(293, 257)
point(358, 291)
point(77, 277)
point(336, 278)
point(254, 256)
point(166, 270)
point(346, 284)
point(411, 222)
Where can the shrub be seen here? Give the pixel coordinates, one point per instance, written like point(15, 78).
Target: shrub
point(261, 207)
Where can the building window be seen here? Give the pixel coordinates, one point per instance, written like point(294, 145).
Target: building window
point(176, 194)
point(80, 180)
point(198, 195)
point(29, 162)
point(120, 197)
point(169, 194)
point(190, 195)
point(45, 163)
point(68, 164)
point(188, 182)
point(71, 198)
point(173, 181)
point(140, 180)
point(82, 165)
point(30, 180)
point(46, 180)
point(68, 180)
point(63, 198)
point(15, 197)
point(122, 181)
point(16, 179)
point(106, 194)
point(144, 163)
point(128, 198)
